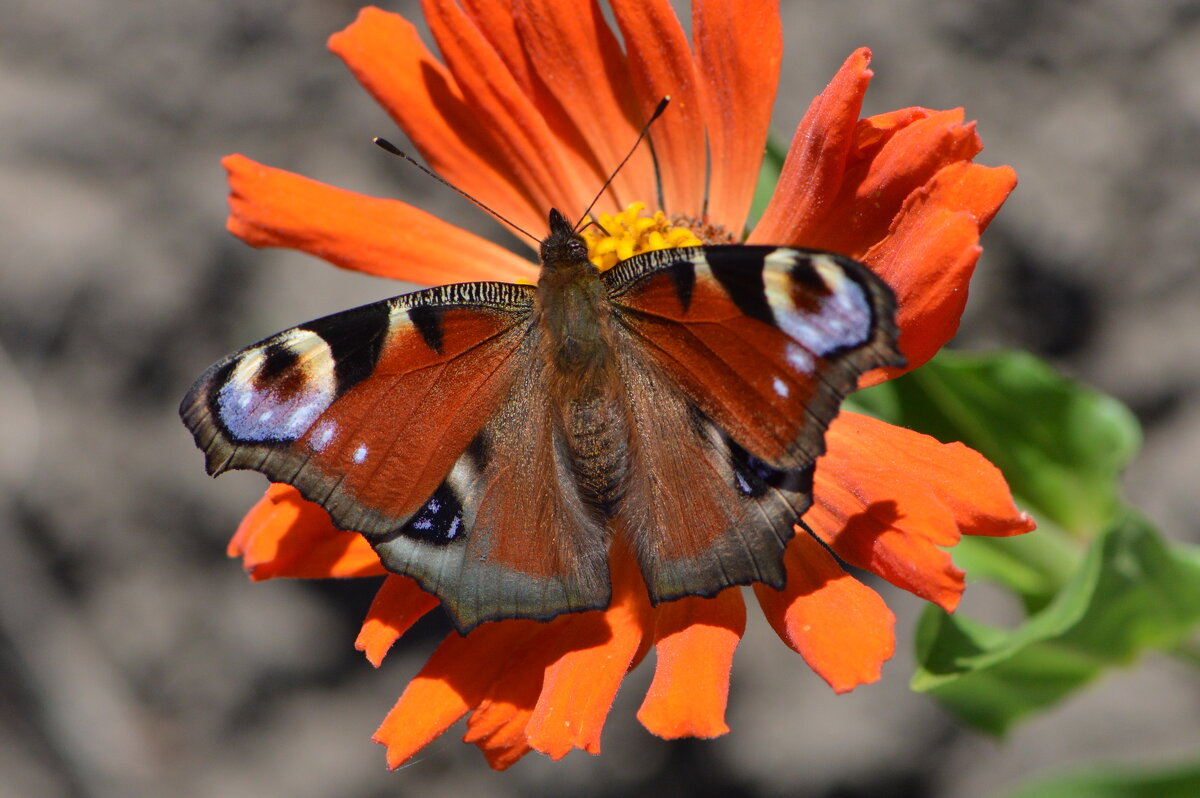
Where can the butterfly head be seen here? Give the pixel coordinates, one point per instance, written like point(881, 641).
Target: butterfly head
point(564, 250)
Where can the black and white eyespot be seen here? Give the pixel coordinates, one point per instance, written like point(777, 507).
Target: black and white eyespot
point(841, 319)
point(440, 520)
point(276, 391)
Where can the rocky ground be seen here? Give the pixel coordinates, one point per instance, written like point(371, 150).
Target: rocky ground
point(136, 660)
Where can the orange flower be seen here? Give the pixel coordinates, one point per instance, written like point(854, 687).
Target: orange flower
point(533, 102)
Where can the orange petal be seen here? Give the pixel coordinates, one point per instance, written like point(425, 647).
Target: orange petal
point(399, 604)
point(739, 47)
point(498, 724)
point(812, 173)
point(661, 64)
point(695, 639)
point(500, 721)
point(497, 22)
point(840, 626)
point(570, 46)
point(580, 685)
point(498, 728)
point(959, 477)
point(455, 679)
point(273, 208)
point(879, 178)
point(887, 499)
point(930, 253)
point(387, 56)
point(521, 140)
point(284, 535)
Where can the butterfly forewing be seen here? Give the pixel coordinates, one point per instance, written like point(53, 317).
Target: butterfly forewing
point(765, 340)
point(366, 411)
point(735, 360)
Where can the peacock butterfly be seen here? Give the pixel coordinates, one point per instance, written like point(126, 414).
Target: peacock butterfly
point(490, 440)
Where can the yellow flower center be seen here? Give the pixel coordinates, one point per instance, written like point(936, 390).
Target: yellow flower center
point(632, 232)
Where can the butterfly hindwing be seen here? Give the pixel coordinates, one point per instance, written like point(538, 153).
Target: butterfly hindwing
point(738, 360)
point(694, 504)
point(366, 411)
point(534, 547)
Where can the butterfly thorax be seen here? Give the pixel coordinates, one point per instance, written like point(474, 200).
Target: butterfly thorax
point(573, 316)
point(572, 308)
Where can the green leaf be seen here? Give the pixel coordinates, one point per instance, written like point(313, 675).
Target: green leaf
point(768, 177)
point(1179, 782)
point(1130, 594)
point(1061, 445)
point(1035, 567)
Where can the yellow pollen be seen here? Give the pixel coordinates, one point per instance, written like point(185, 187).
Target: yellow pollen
point(632, 232)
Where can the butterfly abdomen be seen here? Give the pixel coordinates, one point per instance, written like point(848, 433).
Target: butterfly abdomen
point(598, 441)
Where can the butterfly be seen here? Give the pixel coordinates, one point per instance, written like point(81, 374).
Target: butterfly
point(492, 440)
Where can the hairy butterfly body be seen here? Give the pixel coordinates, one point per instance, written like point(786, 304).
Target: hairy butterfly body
point(490, 439)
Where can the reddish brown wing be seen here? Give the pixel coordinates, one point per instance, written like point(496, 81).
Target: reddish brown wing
point(507, 534)
point(419, 422)
point(736, 359)
point(365, 411)
point(765, 340)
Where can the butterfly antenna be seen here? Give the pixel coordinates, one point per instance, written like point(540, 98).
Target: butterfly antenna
point(662, 106)
point(388, 146)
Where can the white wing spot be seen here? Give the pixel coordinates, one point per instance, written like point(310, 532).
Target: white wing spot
point(780, 387)
point(453, 530)
point(360, 454)
point(323, 435)
point(799, 358)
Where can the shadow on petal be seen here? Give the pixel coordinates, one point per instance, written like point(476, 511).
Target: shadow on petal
point(840, 626)
point(283, 535)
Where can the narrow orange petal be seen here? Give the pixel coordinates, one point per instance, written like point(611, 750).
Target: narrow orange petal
point(580, 685)
point(889, 500)
point(385, 53)
point(283, 535)
point(876, 186)
point(575, 55)
point(930, 253)
point(399, 604)
point(521, 139)
point(695, 639)
point(498, 728)
point(499, 723)
point(497, 22)
point(274, 208)
point(840, 626)
point(813, 171)
point(454, 680)
point(739, 47)
point(661, 64)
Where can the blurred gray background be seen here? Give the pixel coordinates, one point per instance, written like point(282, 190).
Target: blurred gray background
point(136, 660)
